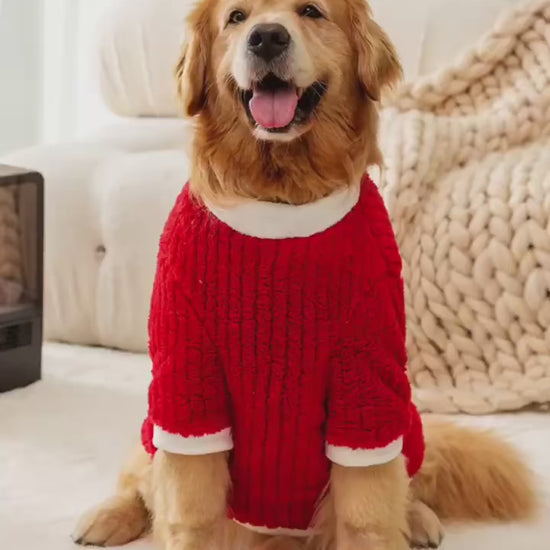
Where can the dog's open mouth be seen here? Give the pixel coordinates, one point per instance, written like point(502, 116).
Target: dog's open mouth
point(275, 105)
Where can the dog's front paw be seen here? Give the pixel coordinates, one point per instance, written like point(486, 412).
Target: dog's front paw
point(425, 528)
point(117, 521)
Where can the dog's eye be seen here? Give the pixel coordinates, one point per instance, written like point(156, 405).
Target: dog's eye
point(236, 16)
point(311, 11)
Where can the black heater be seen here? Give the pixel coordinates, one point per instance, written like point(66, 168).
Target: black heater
point(21, 273)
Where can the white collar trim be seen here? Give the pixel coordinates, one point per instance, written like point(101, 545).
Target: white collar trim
point(268, 220)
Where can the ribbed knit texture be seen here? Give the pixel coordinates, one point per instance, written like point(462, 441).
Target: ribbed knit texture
point(292, 343)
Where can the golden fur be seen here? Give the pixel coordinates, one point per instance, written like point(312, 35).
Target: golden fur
point(466, 475)
point(356, 57)
point(469, 475)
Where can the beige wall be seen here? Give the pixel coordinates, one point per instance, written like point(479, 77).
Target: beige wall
point(20, 84)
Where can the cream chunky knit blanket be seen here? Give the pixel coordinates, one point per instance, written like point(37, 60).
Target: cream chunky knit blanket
point(467, 184)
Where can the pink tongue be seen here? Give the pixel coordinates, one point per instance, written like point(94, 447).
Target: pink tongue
point(274, 109)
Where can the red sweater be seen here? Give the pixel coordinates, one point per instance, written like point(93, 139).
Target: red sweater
point(287, 348)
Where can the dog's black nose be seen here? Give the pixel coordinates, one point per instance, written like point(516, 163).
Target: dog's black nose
point(268, 41)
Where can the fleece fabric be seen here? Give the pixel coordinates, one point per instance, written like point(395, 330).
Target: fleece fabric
point(287, 351)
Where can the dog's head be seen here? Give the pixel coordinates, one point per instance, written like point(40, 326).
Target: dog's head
point(286, 70)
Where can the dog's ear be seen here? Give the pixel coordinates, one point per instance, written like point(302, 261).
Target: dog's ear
point(192, 67)
point(378, 64)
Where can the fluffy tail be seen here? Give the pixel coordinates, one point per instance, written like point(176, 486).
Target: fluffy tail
point(474, 475)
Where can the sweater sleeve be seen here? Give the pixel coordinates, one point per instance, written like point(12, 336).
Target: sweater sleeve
point(369, 392)
point(188, 399)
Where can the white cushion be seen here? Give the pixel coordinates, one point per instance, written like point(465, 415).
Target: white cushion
point(106, 203)
point(452, 26)
point(140, 43)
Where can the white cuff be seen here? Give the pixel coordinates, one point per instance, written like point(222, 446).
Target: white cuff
point(276, 531)
point(360, 458)
point(192, 446)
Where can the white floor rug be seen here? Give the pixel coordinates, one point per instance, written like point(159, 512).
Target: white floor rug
point(62, 441)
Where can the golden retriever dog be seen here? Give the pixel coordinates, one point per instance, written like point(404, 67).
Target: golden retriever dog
point(284, 94)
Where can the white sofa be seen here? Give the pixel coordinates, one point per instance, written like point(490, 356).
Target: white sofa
point(106, 201)
point(107, 197)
